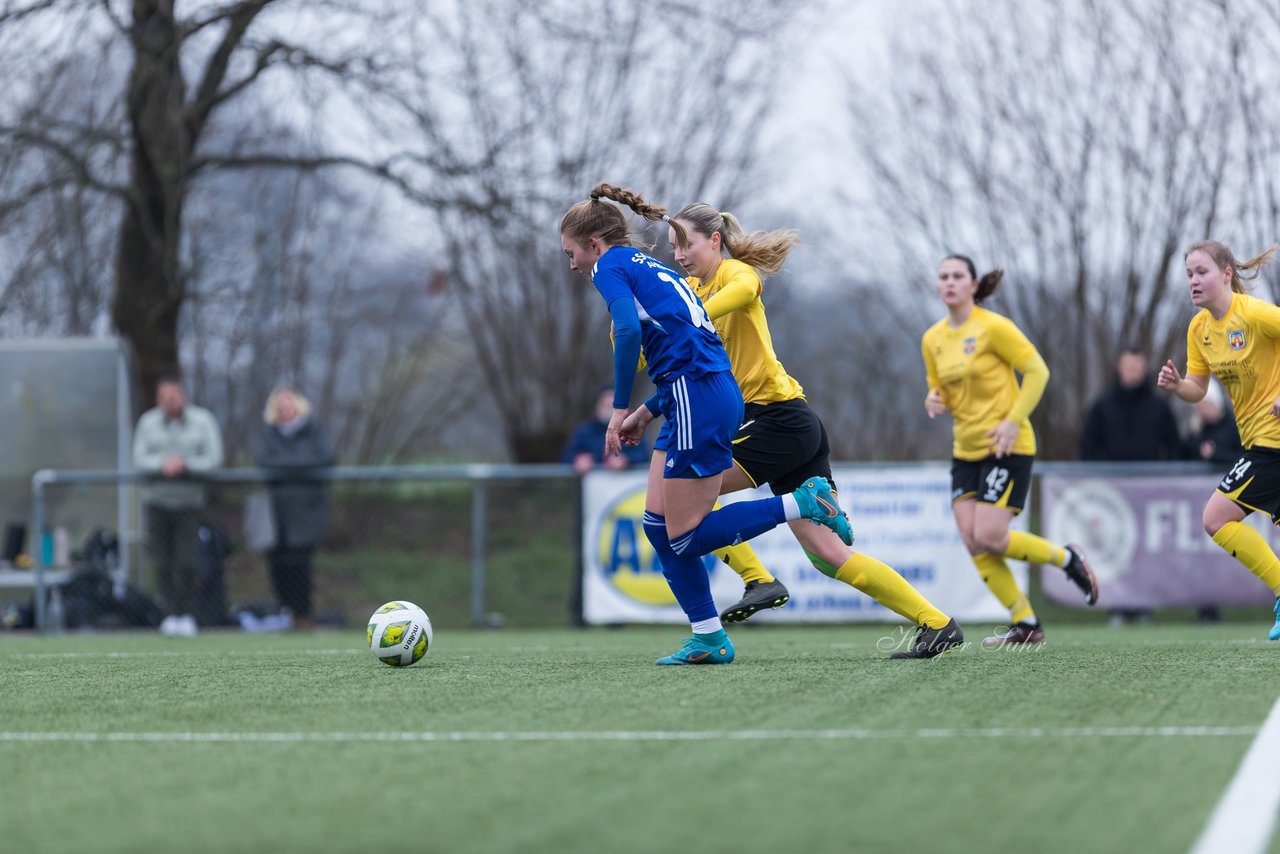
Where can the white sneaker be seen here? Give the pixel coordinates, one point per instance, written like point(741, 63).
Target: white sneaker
point(175, 626)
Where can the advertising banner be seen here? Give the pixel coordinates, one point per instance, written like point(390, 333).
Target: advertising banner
point(1146, 542)
point(900, 514)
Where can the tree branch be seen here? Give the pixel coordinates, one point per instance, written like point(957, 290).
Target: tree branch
point(79, 169)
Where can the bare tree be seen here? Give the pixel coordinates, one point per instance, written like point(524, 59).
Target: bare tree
point(1075, 145)
point(146, 152)
point(553, 97)
point(293, 288)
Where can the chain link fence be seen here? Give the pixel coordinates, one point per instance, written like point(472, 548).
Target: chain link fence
point(473, 545)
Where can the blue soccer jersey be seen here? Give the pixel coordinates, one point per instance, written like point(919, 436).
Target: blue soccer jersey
point(679, 339)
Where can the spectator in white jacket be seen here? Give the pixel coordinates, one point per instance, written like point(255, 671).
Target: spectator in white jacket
point(174, 441)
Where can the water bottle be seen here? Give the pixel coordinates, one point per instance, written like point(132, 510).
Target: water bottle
point(61, 547)
point(57, 616)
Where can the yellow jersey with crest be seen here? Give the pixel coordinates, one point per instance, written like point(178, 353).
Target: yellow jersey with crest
point(1243, 351)
point(732, 300)
point(973, 366)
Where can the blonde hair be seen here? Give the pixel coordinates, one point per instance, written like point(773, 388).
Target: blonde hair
point(595, 218)
point(1223, 257)
point(271, 412)
point(766, 251)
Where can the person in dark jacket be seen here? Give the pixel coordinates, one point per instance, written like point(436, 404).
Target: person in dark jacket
point(293, 449)
point(1214, 436)
point(1129, 422)
point(586, 446)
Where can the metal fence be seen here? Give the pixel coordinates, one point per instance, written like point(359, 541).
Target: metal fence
point(476, 545)
point(472, 544)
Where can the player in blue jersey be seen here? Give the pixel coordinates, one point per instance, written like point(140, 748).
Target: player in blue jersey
point(652, 306)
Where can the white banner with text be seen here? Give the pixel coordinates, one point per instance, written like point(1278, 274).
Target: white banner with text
point(900, 515)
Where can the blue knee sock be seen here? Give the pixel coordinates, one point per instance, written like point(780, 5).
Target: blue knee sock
point(687, 574)
point(730, 525)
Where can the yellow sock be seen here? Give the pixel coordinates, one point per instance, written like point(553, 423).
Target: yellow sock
point(883, 583)
point(1033, 549)
point(999, 579)
point(1247, 546)
point(743, 560)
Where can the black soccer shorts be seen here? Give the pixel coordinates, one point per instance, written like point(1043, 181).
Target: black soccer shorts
point(1003, 482)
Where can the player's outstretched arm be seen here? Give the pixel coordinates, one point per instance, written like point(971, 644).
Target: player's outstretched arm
point(1191, 388)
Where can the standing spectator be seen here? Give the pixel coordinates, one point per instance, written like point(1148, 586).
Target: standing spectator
point(1214, 436)
point(294, 449)
point(1129, 422)
point(174, 441)
point(586, 446)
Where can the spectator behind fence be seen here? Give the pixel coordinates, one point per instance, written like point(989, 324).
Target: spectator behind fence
point(1129, 422)
point(293, 449)
point(586, 446)
point(1214, 436)
point(173, 441)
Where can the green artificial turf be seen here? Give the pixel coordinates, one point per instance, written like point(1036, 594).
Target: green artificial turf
point(811, 741)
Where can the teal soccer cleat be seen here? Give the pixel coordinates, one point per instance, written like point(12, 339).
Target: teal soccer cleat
point(1275, 630)
point(713, 648)
point(818, 505)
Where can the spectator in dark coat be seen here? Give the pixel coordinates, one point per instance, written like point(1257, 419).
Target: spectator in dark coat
point(1214, 436)
point(1129, 422)
point(586, 446)
point(294, 449)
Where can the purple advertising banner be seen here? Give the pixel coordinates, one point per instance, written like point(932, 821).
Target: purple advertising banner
point(1146, 542)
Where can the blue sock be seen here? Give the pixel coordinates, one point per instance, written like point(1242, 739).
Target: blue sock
point(687, 575)
point(731, 525)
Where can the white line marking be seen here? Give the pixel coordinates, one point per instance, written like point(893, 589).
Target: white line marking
point(628, 735)
point(1245, 817)
point(174, 653)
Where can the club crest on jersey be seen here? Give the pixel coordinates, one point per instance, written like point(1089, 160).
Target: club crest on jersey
point(1235, 339)
point(970, 345)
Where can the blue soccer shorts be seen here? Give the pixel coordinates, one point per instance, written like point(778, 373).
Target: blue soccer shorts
point(702, 415)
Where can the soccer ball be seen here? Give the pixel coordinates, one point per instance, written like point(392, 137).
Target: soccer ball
point(399, 633)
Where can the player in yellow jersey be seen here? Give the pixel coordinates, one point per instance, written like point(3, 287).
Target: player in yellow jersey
point(970, 359)
point(781, 442)
point(1236, 337)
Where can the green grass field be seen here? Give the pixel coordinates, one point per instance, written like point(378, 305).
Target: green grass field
point(574, 741)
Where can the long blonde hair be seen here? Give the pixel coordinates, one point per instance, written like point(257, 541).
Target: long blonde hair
point(764, 250)
point(271, 412)
point(1223, 257)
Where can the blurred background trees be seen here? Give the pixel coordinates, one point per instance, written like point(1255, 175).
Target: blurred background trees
point(1081, 146)
point(361, 197)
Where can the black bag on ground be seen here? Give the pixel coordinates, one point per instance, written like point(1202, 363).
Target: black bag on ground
point(90, 600)
point(93, 600)
point(101, 551)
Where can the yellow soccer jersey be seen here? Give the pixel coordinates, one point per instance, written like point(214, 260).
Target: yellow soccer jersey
point(1242, 351)
point(732, 299)
point(973, 366)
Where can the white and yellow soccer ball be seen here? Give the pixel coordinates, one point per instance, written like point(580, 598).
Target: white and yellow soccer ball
point(399, 634)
